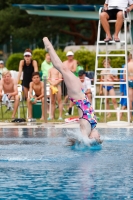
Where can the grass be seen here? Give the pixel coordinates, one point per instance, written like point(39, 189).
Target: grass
point(101, 117)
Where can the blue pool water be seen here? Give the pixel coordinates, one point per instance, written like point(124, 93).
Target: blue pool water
point(37, 164)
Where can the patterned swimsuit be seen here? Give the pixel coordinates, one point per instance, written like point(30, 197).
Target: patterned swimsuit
point(88, 112)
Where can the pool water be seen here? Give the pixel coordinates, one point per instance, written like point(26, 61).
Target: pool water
point(37, 164)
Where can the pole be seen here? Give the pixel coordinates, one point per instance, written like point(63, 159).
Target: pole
point(45, 100)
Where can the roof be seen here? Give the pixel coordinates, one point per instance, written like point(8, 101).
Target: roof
point(63, 10)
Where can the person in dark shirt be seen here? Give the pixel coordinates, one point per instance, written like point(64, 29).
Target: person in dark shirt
point(27, 66)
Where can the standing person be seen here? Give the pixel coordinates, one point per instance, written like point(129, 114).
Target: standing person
point(55, 78)
point(27, 66)
point(113, 10)
point(130, 84)
point(38, 87)
point(71, 63)
point(2, 68)
point(108, 75)
point(79, 67)
point(9, 86)
point(123, 89)
point(46, 65)
point(86, 113)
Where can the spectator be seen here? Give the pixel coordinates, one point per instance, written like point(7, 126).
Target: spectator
point(113, 10)
point(2, 68)
point(108, 75)
point(130, 84)
point(123, 90)
point(79, 67)
point(71, 64)
point(27, 66)
point(86, 84)
point(46, 65)
point(9, 86)
point(90, 75)
point(55, 79)
point(38, 87)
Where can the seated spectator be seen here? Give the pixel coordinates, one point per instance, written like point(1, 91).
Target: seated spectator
point(37, 87)
point(55, 78)
point(9, 86)
point(2, 68)
point(90, 75)
point(113, 11)
point(86, 84)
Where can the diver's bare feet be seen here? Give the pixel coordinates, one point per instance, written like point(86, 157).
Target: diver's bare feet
point(45, 40)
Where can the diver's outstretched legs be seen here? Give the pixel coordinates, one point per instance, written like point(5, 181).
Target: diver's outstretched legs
point(54, 57)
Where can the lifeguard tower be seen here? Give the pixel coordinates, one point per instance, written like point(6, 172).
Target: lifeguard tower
point(121, 46)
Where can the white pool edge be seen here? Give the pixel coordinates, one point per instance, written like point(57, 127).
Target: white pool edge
point(61, 125)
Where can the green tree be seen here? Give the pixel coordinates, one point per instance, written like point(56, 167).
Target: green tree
point(27, 30)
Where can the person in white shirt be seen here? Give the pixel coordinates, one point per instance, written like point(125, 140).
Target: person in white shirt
point(113, 11)
point(86, 84)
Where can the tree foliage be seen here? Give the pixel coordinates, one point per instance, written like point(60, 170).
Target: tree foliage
point(31, 28)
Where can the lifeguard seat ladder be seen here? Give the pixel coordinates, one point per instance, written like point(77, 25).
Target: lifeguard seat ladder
point(127, 19)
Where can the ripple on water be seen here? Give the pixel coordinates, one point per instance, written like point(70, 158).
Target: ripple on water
point(39, 165)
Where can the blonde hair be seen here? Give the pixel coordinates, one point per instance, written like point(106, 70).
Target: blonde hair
point(6, 72)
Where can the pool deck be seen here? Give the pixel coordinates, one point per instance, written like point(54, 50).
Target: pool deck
point(114, 124)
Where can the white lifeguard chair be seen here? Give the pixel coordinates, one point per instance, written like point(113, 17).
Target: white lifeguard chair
point(122, 45)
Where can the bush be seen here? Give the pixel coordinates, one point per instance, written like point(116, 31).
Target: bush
point(83, 56)
point(116, 62)
point(61, 54)
point(13, 61)
point(86, 59)
point(39, 56)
